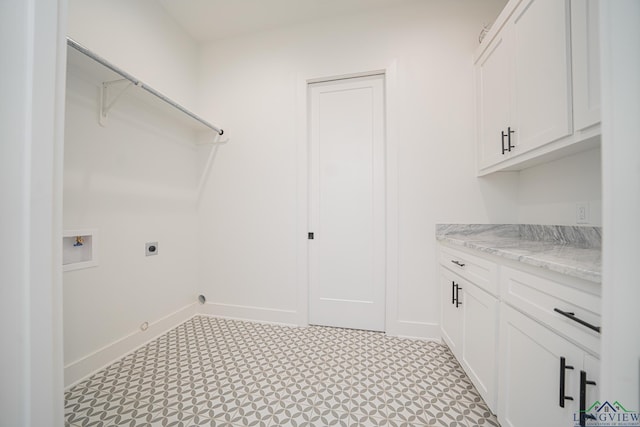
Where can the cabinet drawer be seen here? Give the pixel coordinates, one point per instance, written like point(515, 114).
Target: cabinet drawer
point(539, 297)
point(480, 272)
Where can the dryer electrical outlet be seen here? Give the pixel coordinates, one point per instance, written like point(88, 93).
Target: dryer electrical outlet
point(151, 248)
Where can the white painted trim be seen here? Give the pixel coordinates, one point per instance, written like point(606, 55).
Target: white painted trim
point(418, 330)
point(57, 182)
point(80, 369)
point(302, 182)
point(250, 313)
point(302, 272)
point(347, 76)
point(620, 65)
point(393, 323)
point(496, 28)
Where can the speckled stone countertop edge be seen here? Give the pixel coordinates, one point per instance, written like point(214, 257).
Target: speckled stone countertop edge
point(548, 247)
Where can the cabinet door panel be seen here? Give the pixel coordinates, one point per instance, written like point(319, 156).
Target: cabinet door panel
point(541, 68)
point(479, 345)
point(585, 39)
point(451, 315)
point(530, 374)
point(492, 74)
point(592, 392)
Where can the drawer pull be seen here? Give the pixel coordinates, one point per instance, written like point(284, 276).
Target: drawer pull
point(584, 382)
point(458, 263)
point(563, 367)
point(572, 316)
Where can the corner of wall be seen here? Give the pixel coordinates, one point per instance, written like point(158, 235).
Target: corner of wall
point(82, 368)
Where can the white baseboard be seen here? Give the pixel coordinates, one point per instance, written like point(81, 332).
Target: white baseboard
point(255, 314)
point(80, 369)
point(416, 330)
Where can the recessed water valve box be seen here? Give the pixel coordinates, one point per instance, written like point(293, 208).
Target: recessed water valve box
point(151, 248)
point(79, 249)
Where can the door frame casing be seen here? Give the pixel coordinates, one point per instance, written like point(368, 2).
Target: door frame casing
point(391, 189)
point(358, 302)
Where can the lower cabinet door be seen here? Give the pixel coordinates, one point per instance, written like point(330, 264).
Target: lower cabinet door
point(591, 389)
point(480, 342)
point(531, 379)
point(451, 308)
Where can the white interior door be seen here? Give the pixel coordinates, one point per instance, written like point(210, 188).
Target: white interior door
point(347, 203)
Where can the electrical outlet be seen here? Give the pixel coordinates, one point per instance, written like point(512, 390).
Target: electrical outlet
point(582, 213)
point(151, 248)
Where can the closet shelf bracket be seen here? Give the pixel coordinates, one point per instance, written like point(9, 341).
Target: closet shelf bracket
point(105, 103)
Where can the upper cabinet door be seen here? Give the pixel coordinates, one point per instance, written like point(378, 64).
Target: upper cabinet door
point(541, 73)
point(493, 98)
point(585, 35)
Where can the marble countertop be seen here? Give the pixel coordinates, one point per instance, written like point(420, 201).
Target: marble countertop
point(573, 251)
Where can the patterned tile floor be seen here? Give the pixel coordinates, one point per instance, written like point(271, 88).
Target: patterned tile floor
point(218, 372)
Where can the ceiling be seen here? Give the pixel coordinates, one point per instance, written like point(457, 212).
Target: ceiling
point(207, 20)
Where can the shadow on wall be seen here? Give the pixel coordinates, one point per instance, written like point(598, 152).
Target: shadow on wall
point(499, 193)
point(140, 158)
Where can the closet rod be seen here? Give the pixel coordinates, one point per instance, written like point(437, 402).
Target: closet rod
point(77, 46)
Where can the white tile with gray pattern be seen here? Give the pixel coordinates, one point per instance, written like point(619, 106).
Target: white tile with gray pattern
point(219, 372)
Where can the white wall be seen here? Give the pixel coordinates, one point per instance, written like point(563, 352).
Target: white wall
point(141, 38)
point(133, 180)
point(620, 42)
point(248, 84)
point(548, 193)
point(32, 88)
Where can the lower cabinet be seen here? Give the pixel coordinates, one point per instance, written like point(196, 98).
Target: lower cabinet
point(470, 329)
point(480, 342)
point(451, 311)
point(528, 339)
point(542, 375)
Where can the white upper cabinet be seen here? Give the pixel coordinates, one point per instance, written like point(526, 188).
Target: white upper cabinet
point(494, 102)
point(585, 35)
point(527, 95)
point(541, 82)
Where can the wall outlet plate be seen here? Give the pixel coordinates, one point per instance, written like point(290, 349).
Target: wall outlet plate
point(582, 213)
point(151, 248)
